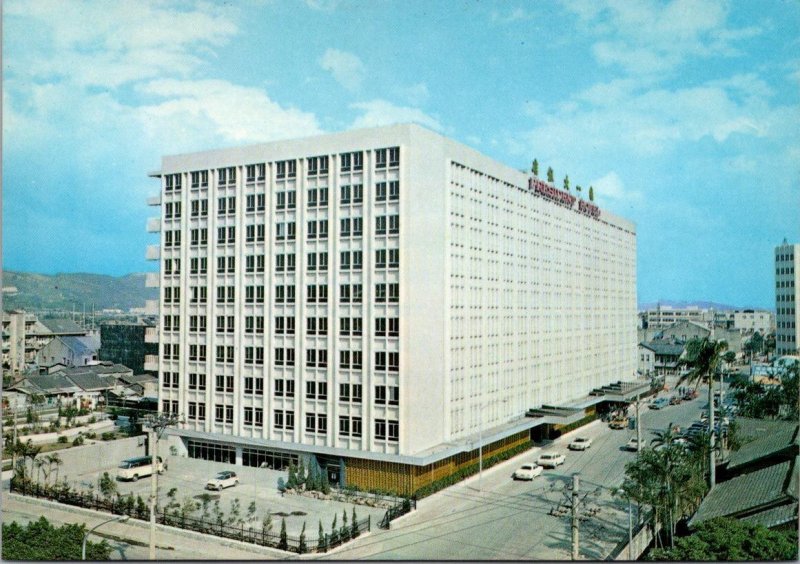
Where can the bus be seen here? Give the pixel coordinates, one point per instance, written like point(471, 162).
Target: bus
point(139, 467)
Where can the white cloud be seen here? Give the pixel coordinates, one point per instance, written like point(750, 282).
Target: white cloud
point(346, 68)
point(610, 187)
point(380, 112)
point(652, 37)
point(106, 44)
point(416, 93)
point(217, 108)
point(514, 15)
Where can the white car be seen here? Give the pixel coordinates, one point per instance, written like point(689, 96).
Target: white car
point(633, 444)
point(222, 480)
point(580, 443)
point(527, 471)
point(551, 459)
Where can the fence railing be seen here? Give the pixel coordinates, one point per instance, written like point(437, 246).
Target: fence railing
point(405, 506)
point(244, 532)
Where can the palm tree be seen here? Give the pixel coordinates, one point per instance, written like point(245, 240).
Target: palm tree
point(666, 438)
point(54, 459)
point(704, 356)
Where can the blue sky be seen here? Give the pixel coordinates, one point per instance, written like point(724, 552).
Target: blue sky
point(683, 115)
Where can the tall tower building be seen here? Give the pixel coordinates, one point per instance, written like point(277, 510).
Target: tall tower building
point(787, 286)
point(381, 299)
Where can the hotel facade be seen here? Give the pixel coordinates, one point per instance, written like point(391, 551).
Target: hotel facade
point(381, 300)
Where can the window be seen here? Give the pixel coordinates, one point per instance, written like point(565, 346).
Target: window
point(317, 390)
point(312, 229)
point(380, 225)
point(227, 175)
point(284, 419)
point(344, 260)
point(323, 228)
point(344, 227)
point(394, 258)
point(380, 293)
point(394, 190)
point(350, 393)
point(394, 292)
point(349, 426)
point(394, 156)
point(358, 193)
point(344, 293)
point(224, 383)
point(394, 224)
point(317, 165)
point(380, 158)
point(199, 208)
point(317, 423)
point(199, 178)
point(197, 382)
point(392, 426)
point(198, 265)
point(358, 161)
point(345, 162)
point(380, 192)
point(345, 194)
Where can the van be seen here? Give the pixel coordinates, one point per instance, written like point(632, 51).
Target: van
point(139, 467)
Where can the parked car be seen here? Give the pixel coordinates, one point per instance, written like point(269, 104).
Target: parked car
point(619, 423)
point(580, 443)
point(139, 467)
point(632, 444)
point(527, 471)
point(675, 400)
point(551, 459)
point(659, 403)
point(222, 480)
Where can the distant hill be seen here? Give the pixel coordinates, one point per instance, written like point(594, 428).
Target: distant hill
point(700, 304)
point(79, 290)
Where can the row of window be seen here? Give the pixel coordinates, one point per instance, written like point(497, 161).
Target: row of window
point(348, 393)
point(315, 293)
point(384, 258)
point(284, 231)
point(349, 426)
point(288, 169)
point(317, 198)
point(286, 325)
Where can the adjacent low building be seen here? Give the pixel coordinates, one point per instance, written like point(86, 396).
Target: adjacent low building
point(787, 296)
point(128, 344)
point(384, 300)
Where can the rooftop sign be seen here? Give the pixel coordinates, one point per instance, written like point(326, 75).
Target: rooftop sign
point(562, 197)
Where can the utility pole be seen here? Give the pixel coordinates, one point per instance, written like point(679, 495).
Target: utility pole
point(575, 517)
point(638, 426)
point(712, 470)
point(156, 425)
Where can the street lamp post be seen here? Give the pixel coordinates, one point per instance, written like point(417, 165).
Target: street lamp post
point(121, 519)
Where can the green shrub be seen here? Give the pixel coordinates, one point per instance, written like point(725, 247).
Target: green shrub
point(63, 439)
point(78, 441)
point(108, 436)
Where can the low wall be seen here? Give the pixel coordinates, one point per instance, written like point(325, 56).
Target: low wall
point(45, 438)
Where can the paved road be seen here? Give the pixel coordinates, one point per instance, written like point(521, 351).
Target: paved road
point(509, 520)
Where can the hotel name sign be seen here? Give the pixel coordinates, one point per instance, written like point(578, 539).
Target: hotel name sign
point(562, 198)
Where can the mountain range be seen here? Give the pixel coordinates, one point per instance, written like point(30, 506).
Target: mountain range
point(74, 291)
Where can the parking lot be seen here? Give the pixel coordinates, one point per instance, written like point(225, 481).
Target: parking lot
point(189, 477)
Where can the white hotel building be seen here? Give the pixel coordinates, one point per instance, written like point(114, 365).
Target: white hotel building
point(380, 299)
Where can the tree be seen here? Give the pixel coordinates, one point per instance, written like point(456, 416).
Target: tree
point(301, 543)
point(235, 518)
point(251, 511)
point(591, 193)
point(107, 486)
point(704, 357)
point(354, 533)
point(266, 524)
point(40, 540)
point(283, 543)
point(321, 544)
point(205, 501)
point(550, 176)
point(334, 532)
point(344, 533)
point(725, 539)
point(566, 183)
point(188, 507)
point(578, 188)
point(755, 344)
point(535, 167)
point(729, 357)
